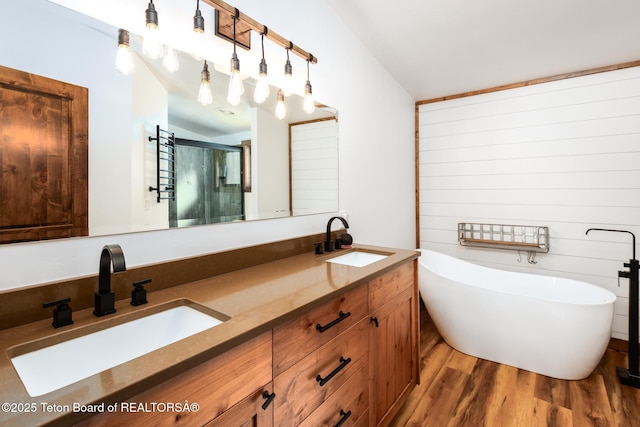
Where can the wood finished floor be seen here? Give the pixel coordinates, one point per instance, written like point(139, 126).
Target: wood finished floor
point(460, 390)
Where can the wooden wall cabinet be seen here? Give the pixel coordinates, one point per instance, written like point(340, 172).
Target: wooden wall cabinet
point(43, 158)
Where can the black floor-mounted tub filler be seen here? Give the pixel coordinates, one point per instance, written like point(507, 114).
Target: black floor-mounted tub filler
point(631, 376)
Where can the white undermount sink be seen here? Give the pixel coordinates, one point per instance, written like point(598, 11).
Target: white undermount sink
point(357, 258)
point(55, 366)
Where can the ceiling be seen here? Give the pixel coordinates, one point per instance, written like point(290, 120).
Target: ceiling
point(435, 48)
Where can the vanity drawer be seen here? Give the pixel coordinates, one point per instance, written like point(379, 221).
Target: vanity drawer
point(386, 287)
point(216, 385)
point(349, 401)
point(299, 337)
point(298, 390)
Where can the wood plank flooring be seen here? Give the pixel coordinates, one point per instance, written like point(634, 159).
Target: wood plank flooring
point(460, 390)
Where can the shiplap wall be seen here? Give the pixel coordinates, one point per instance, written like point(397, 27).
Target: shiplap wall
point(562, 154)
point(314, 167)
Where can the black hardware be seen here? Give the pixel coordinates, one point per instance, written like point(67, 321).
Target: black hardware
point(345, 416)
point(104, 299)
point(319, 250)
point(139, 293)
point(269, 398)
point(62, 314)
point(343, 362)
point(341, 317)
point(374, 320)
point(631, 376)
point(338, 244)
point(165, 152)
point(327, 243)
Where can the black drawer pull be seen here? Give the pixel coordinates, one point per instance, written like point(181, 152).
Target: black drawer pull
point(374, 320)
point(343, 362)
point(269, 398)
point(345, 416)
point(341, 317)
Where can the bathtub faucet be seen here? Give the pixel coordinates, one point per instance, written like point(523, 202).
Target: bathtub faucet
point(631, 376)
point(633, 236)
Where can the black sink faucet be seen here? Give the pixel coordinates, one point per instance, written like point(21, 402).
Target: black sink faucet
point(328, 247)
point(104, 299)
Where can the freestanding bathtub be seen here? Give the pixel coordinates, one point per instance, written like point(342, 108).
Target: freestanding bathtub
point(552, 326)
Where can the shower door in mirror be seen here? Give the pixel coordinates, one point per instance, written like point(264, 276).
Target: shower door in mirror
point(208, 184)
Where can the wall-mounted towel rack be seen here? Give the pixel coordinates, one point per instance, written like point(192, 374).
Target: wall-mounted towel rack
point(530, 238)
point(165, 165)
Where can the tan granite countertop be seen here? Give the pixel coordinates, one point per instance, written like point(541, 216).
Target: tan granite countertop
point(256, 299)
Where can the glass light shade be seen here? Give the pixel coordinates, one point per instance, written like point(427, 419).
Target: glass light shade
point(124, 60)
point(309, 105)
point(281, 110)
point(262, 90)
point(236, 87)
point(204, 94)
point(170, 61)
point(198, 44)
point(151, 46)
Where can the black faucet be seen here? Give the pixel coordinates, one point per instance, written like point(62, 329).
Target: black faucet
point(631, 376)
point(104, 299)
point(328, 247)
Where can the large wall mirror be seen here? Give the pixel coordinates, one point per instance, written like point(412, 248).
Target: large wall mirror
point(233, 163)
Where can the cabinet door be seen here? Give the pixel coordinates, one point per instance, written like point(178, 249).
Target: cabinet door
point(43, 158)
point(392, 356)
point(255, 411)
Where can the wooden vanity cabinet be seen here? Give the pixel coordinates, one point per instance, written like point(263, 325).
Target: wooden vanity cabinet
point(215, 386)
point(350, 361)
point(254, 411)
point(394, 346)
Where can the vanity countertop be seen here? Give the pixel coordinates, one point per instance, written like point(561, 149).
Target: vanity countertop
point(256, 299)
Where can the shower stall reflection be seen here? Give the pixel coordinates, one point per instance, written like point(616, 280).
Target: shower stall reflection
point(208, 184)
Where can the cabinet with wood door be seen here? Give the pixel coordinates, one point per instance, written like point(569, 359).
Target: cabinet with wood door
point(215, 386)
point(394, 342)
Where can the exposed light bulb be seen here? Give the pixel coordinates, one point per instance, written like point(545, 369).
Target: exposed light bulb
point(170, 61)
point(261, 92)
point(124, 58)
point(281, 110)
point(204, 94)
point(151, 46)
point(236, 87)
point(309, 105)
point(198, 40)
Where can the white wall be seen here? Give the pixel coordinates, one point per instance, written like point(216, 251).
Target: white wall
point(376, 156)
point(314, 160)
point(562, 154)
point(269, 196)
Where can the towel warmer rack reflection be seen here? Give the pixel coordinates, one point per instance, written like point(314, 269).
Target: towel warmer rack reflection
point(165, 165)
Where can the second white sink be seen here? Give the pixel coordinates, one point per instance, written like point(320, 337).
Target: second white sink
point(53, 367)
point(357, 258)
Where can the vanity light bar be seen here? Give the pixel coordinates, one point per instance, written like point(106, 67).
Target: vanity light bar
point(259, 28)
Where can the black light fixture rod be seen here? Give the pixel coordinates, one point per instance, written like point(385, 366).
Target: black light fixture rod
point(256, 26)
